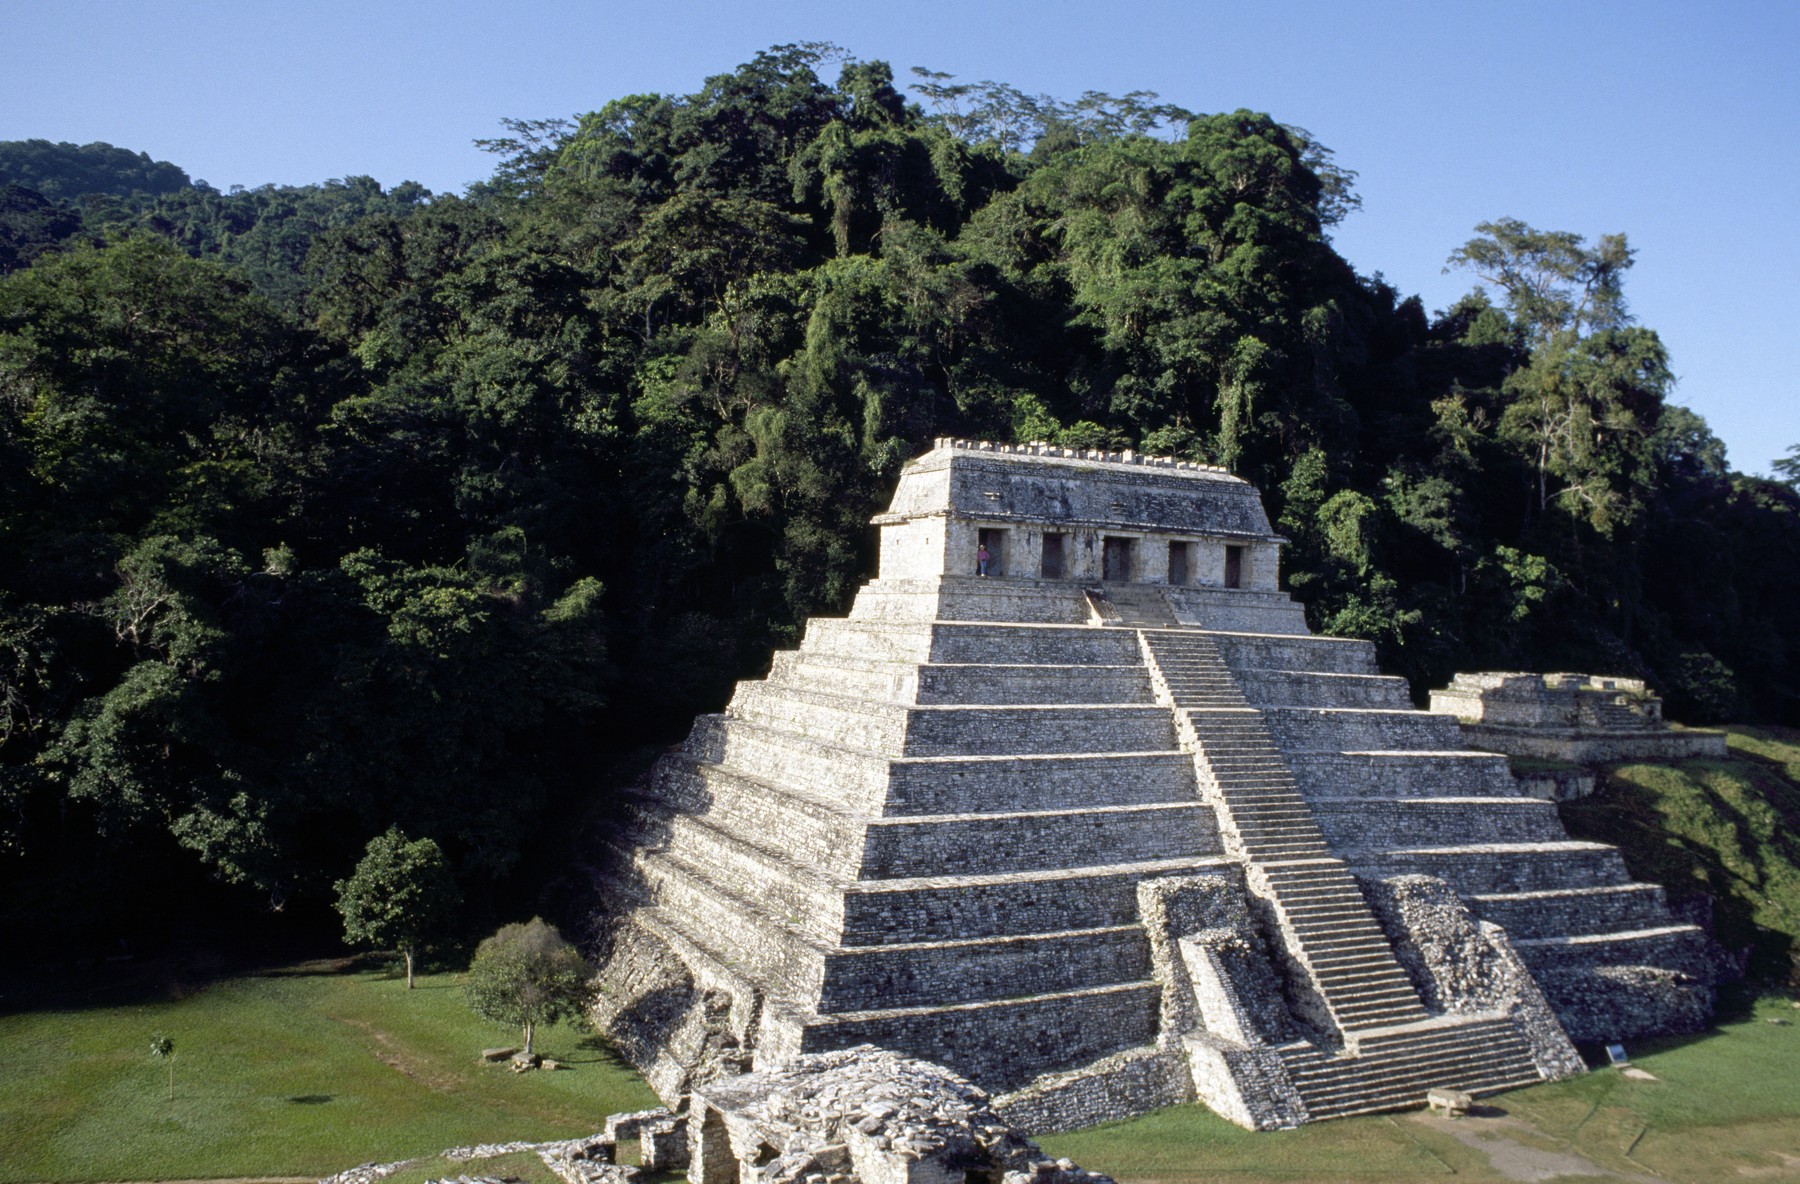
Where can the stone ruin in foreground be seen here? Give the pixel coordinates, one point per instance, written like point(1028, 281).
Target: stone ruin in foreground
point(1107, 830)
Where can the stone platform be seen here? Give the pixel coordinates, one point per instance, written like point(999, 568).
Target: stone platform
point(1106, 829)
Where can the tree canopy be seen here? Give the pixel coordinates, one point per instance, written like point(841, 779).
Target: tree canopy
point(528, 976)
point(401, 897)
point(327, 509)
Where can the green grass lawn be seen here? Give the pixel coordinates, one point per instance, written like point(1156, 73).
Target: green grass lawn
point(311, 1070)
point(296, 1073)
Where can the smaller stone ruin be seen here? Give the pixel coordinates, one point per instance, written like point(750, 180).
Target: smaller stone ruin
point(853, 1116)
point(1579, 718)
point(860, 1114)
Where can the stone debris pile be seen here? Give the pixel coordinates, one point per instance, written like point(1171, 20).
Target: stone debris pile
point(855, 1116)
point(861, 1114)
point(577, 1161)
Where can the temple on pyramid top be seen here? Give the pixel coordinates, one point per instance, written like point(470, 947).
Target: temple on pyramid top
point(1073, 803)
point(1072, 531)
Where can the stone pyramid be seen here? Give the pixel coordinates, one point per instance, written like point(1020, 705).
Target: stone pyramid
point(1074, 804)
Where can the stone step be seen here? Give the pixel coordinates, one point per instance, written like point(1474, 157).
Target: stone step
point(1002, 1043)
point(1331, 655)
point(1393, 1088)
point(1274, 823)
point(889, 680)
point(1566, 912)
point(1324, 775)
point(1673, 945)
point(944, 844)
point(966, 971)
point(1492, 868)
point(942, 908)
point(1400, 1066)
point(1323, 914)
point(1341, 939)
point(1270, 843)
point(1361, 1007)
point(1355, 824)
point(993, 684)
point(817, 834)
point(1363, 982)
point(1344, 959)
point(974, 784)
point(1272, 851)
point(735, 930)
point(798, 895)
point(1374, 1005)
point(1360, 729)
point(1048, 644)
point(892, 641)
point(861, 724)
point(1324, 1077)
point(998, 731)
point(854, 779)
point(1307, 688)
point(1349, 994)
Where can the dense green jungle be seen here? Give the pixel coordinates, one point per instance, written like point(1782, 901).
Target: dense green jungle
point(328, 508)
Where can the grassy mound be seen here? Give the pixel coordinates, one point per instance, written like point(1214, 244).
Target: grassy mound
point(1728, 831)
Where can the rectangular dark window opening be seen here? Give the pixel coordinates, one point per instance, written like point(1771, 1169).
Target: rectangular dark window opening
point(1115, 560)
point(1178, 564)
point(1234, 567)
point(1052, 566)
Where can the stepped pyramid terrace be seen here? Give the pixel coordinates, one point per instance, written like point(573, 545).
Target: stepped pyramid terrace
point(1107, 829)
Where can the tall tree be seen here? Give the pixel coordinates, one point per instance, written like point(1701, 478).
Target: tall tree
point(401, 897)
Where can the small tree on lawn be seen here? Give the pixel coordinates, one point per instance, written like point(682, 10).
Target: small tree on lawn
point(163, 1049)
point(401, 897)
point(527, 975)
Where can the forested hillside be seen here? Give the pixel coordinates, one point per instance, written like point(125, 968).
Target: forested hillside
point(325, 509)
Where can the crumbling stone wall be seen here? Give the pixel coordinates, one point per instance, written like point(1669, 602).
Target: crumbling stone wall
point(1463, 966)
point(1215, 969)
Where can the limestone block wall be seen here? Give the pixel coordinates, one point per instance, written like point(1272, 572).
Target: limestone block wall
point(1038, 840)
point(1123, 1085)
point(1336, 729)
point(1355, 825)
point(970, 970)
point(1303, 652)
point(1003, 1044)
point(961, 785)
point(1484, 869)
point(950, 908)
point(1323, 775)
point(1610, 908)
point(1261, 611)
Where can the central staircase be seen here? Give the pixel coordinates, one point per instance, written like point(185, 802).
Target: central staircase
point(1347, 980)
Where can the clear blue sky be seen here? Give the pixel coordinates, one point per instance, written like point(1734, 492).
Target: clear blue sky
point(1675, 123)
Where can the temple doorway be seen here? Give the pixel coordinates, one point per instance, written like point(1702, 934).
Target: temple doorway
point(1234, 567)
point(994, 543)
point(1115, 560)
